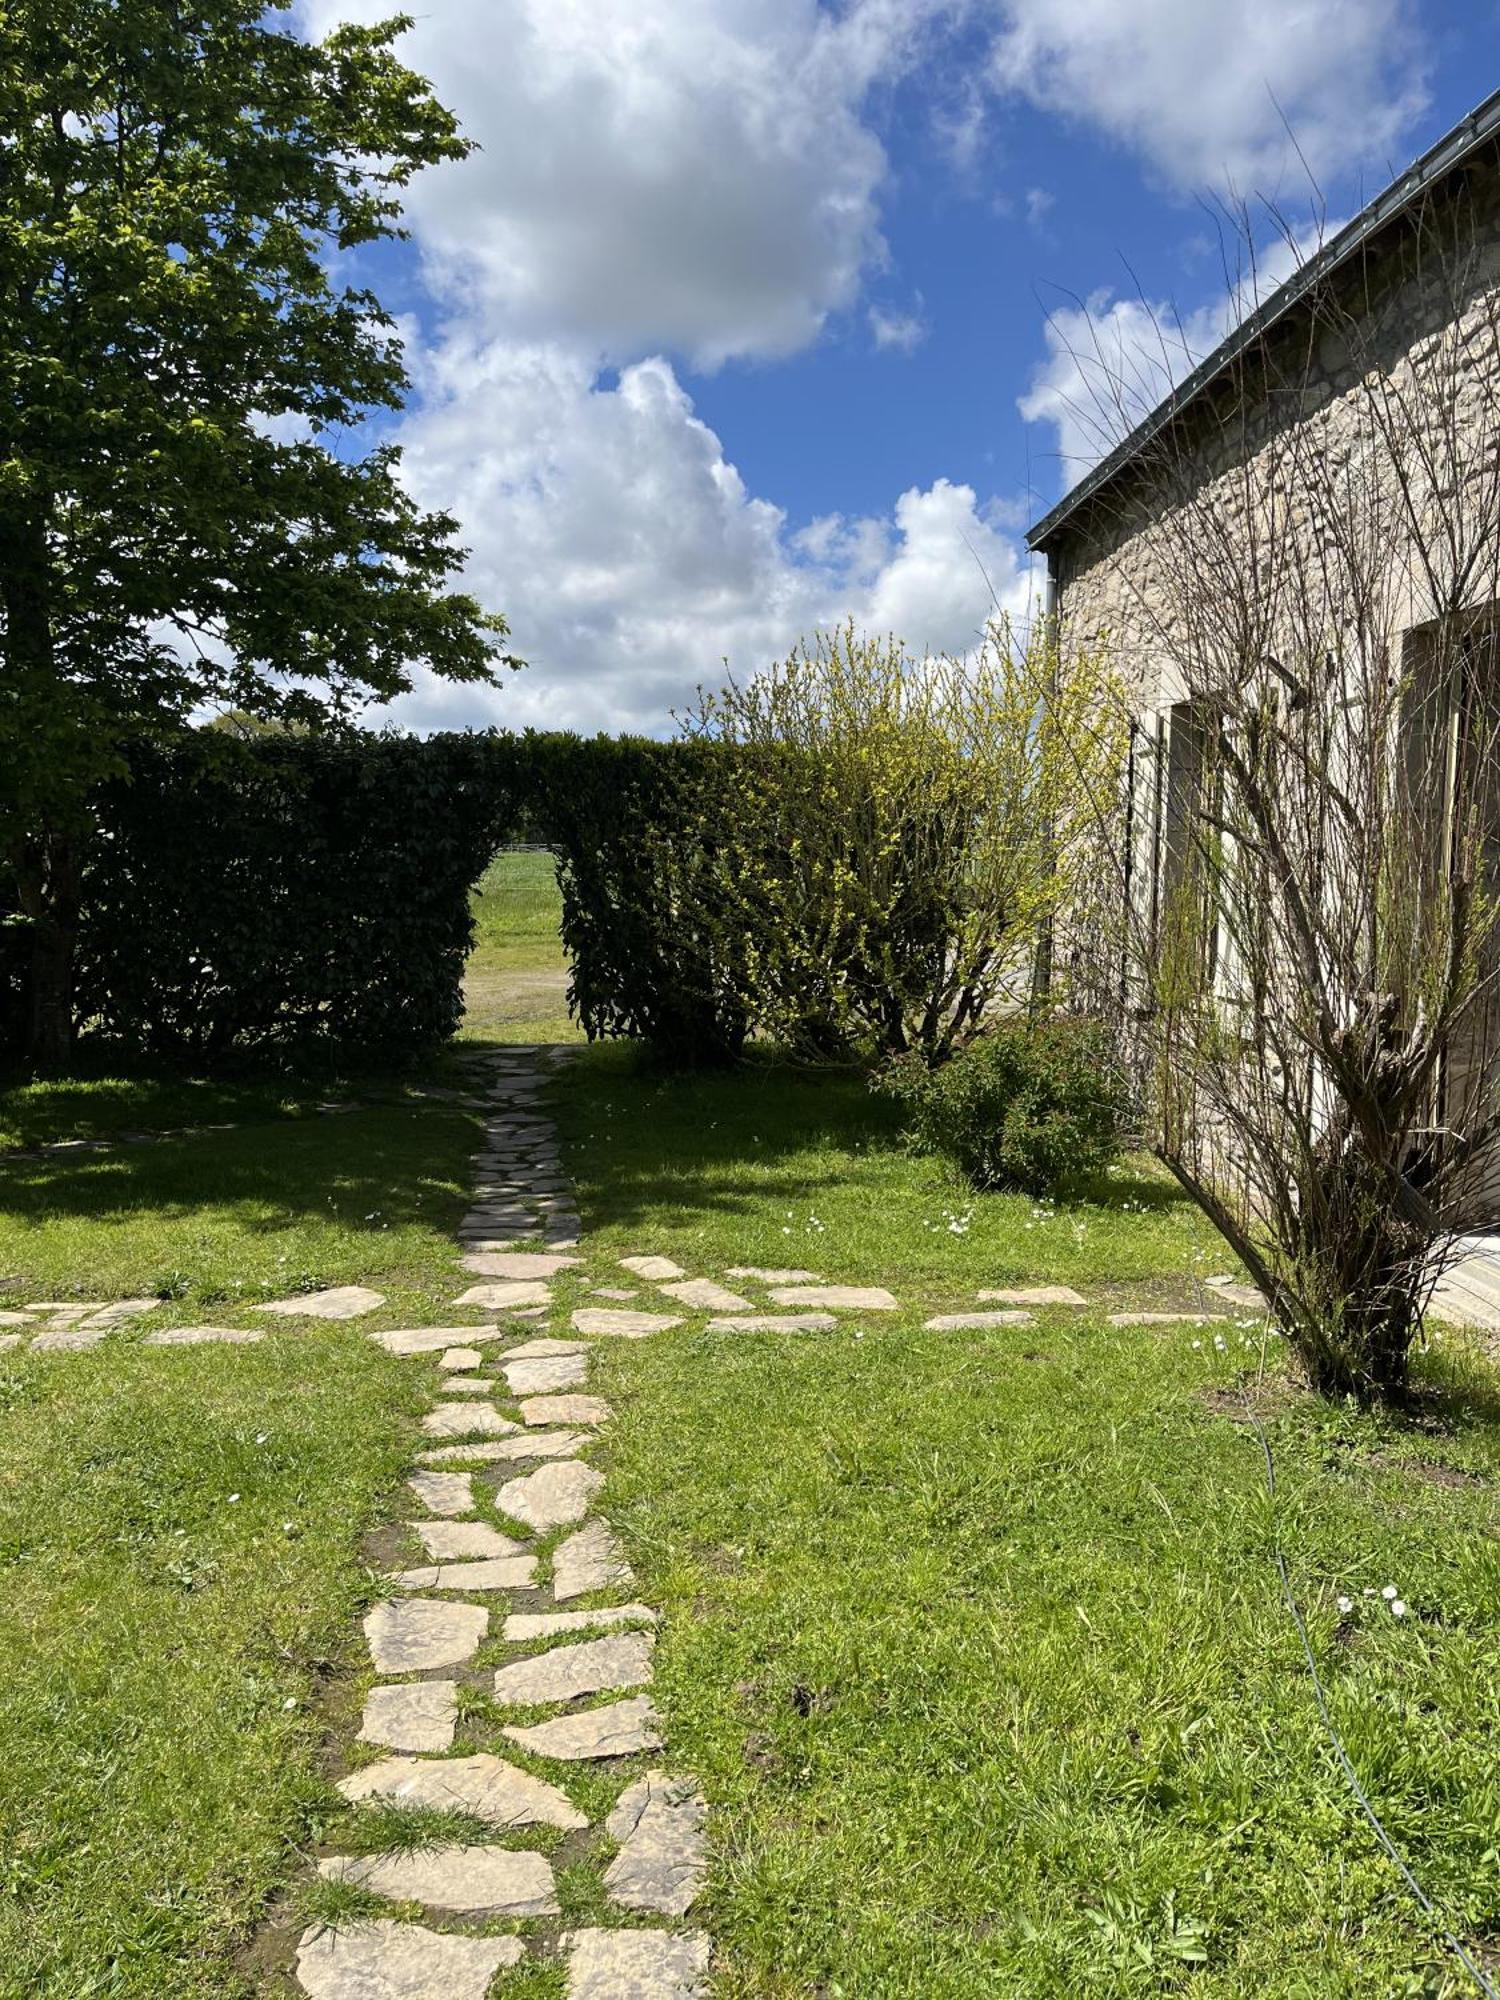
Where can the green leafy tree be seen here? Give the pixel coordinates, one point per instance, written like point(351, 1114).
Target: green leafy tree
point(182, 520)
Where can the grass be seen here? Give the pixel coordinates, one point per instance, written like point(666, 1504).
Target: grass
point(516, 989)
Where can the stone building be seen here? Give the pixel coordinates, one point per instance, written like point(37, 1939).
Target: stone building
point(1319, 500)
point(1363, 397)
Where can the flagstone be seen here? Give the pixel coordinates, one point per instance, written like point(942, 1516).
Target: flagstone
point(503, 1297)
point(461, 1357)
point(485, 1786)
point(527, 1444)
point(444, 1492)
point(593, 1666)
point(565, 1410)
point(468, 1881)
point(121, 1310)
point(538, 1349)
point(847, 1298)
point(380, 1960)
point(68, 1340)
point(611, 1292)
point(431, 1339)
point(498, 1573)
point(961, 1322)
point(449, 1541)
point(772, 1277)
point(197, 1336)
point(652, 1267)
point(553, 1497)
point(523, 1625)
point(590, 1560)
point(539, 1374)
point(626, 1325)
point(9, 1340)
point(411, 1715)
point(1036, 1295)
point(619, 1729)
point(659, 1824)
point(465, 1420)
point(411, 1635)
point(774, 1323)
point(705, 1296)
point(636, 1965)
point(1251, 1297)
point(518, 1263)
point(339, 1302)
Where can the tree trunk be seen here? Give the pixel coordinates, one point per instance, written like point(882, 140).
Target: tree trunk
point(48, 882)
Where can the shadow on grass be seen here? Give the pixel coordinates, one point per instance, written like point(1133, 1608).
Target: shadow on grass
point(364, 1170)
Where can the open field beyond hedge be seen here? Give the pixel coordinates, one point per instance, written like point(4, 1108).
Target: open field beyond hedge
point(975, 1638)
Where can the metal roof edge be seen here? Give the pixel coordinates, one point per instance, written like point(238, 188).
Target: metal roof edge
point(1440, 158)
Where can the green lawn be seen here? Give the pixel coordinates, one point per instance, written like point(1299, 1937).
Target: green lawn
point(977, 1638)
point(517, 981)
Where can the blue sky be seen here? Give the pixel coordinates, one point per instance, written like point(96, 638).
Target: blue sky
point(752, 315)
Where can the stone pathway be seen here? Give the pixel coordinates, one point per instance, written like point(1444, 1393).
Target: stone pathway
point(518, 1521)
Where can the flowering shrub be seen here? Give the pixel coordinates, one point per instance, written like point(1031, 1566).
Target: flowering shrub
point(1032, 1105)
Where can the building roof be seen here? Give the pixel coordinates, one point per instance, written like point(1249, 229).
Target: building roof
point(1449, 152)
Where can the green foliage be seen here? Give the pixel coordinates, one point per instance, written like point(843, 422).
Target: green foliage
point(646, 843)
point(173, 354)
point(900, 832)
point(287, 894)
point(1036, 1105)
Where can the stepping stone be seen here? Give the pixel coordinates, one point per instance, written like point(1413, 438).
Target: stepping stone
point(503, 1298)
point(429, 1339)
point(538, 1350)
point(444, 1492)
point(68, 1340)
point(768, 1277)
point(341, 1302)
point(652, 1267)
point(461, 1357)
point(619, 1729)
point(485, 1786)
point(413, 1715)
point(611, 1292)
point(410, 1635)
point(627, 1325)
point(566, 1672)
point(469, 1385)
point(25, 1319)
point(838, 1298)
point(565, 1410)
point(636, 1965)
point(551, 1498)
point(590, 1560)
point(523, 1625)
point(380, 1960)
point(517, 1263)
point(496, 1573)
point(663, 1854)
point(120, 1311)
point(197, 1336)
point(528, 1444)
point(452, 1420)
point(775, 1323)
point(1166, 1319)
point(705, 1296)
point(9, 1340)
point(1037, 1295)
point(959, 1322)
point(449, 1541)
point(1251, 1297)
point(538, 1376)
point(466, 1881)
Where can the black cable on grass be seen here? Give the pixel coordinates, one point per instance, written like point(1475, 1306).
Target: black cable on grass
point(1480, 1979)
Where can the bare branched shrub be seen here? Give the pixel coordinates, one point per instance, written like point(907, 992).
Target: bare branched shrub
point(1300, 574)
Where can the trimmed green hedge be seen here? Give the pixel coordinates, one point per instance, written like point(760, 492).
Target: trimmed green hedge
point(288, 893)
